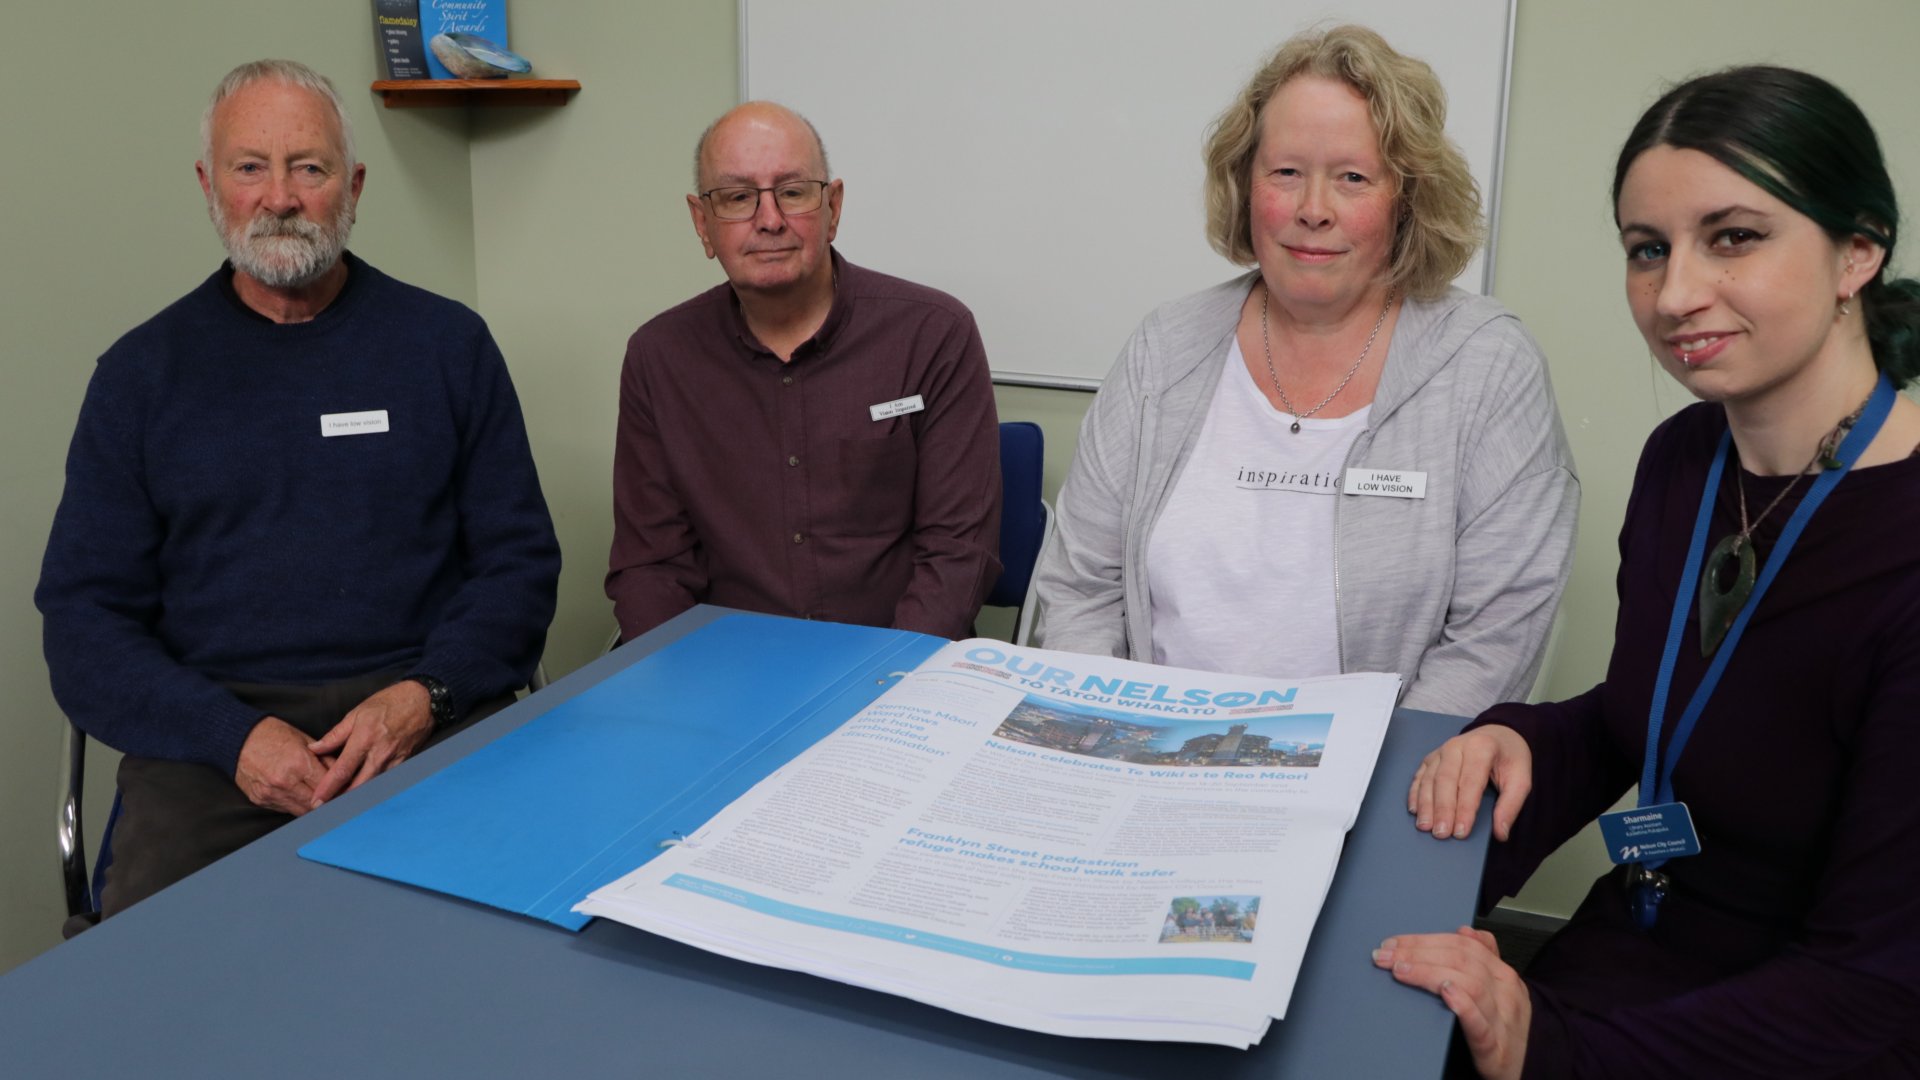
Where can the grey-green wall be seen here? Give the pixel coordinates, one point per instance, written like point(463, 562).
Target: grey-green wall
point(566, 228)
point(581, 227)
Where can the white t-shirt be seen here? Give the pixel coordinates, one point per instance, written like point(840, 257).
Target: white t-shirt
point(1240, 564)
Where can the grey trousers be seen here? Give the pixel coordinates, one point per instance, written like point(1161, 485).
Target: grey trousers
point(177, 817)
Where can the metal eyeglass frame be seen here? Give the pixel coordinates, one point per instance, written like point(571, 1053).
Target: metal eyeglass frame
point(820, 194)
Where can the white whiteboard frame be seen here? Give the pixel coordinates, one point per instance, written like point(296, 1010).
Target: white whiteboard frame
point(1496, 182)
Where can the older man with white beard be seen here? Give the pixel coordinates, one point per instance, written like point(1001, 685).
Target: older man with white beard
point(302, 535)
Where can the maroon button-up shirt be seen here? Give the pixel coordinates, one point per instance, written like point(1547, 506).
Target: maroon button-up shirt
point(747, 482)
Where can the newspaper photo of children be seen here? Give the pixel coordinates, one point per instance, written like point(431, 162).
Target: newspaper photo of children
point(1195, 920)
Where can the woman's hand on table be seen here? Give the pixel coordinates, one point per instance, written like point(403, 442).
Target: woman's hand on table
point(1448, 785)
point(1484, 993)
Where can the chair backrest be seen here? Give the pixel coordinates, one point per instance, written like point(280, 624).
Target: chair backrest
point(82, 887)
point(1023, 515)
point(71, 836)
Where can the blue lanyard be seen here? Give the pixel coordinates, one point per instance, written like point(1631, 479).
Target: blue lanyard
point(1656, 788)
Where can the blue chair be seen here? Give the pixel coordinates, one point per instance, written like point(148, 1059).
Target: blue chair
point(1026, 521)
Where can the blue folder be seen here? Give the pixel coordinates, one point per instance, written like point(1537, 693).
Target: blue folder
point(582, 794)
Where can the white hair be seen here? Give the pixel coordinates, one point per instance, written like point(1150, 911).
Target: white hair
point(290, 72)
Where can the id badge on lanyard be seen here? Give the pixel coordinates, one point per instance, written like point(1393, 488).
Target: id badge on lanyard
point(1661, 827)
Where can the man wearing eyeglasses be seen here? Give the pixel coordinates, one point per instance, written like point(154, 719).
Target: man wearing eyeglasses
point(810, 438)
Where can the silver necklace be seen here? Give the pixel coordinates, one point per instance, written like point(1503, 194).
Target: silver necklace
point(1732, 566)
point(1266, 346)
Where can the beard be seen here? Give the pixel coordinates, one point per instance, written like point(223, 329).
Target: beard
point(284, 252)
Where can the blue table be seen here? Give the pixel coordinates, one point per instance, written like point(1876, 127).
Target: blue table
point(267, 965)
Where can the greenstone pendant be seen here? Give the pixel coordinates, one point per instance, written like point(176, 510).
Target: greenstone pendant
point(1718, 607)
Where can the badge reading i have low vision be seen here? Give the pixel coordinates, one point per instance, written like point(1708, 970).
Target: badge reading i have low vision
point(1391, 483)
point(353, 423)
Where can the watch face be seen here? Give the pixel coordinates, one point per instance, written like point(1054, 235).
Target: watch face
point(439, 699)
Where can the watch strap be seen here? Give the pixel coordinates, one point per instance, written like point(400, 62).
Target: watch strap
point(439, 699)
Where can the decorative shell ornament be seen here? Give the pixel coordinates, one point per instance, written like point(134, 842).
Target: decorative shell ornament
point(469, 56)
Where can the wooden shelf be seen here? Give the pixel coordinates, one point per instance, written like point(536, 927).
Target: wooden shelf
point(433, 93)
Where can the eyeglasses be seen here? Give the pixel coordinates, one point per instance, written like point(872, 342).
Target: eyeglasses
point(741, 203)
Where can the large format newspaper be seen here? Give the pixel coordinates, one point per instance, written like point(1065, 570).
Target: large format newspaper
point(1071, 844)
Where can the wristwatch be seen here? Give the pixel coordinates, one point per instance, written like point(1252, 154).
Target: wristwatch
point(439, 699)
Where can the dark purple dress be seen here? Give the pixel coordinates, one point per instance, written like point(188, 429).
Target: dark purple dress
point(1791, 944)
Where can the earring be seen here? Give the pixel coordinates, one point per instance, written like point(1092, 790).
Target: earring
point(1846, 305)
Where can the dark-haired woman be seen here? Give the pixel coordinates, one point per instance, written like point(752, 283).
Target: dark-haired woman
point(1766, 666)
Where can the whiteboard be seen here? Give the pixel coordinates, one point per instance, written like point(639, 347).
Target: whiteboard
point(1040, 159)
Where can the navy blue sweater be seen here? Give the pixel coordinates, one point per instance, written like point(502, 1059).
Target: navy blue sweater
point(210, 533)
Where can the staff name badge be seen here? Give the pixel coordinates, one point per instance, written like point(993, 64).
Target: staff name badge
point(896, 407)
point(1389, 483)
point(1650, 833)
point(353, 423)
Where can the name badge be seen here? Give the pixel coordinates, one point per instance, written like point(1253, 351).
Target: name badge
point(896, 407)
point(1391, 483)
point(353, 423)
point(1648, 833)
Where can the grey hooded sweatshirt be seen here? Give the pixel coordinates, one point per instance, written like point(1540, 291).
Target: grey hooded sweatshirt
point(1455, 592)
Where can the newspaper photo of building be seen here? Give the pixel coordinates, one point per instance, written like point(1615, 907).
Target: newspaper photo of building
point(1293, 741)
